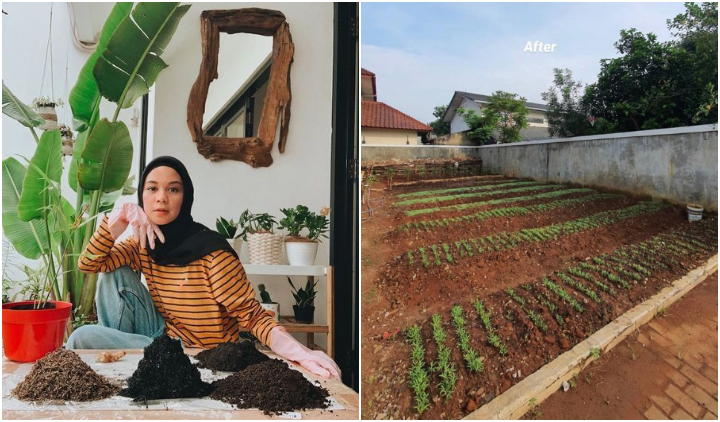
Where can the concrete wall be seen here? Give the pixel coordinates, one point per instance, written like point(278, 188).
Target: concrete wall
point(372, 136)
point(679, 165)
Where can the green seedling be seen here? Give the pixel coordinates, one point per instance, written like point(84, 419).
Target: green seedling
point(419, 380)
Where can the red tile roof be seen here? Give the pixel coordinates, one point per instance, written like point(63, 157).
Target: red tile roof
point(380, 115)
point(366, 72)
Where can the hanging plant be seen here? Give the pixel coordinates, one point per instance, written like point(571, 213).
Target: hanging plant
point(68, 139)
point(45, 106)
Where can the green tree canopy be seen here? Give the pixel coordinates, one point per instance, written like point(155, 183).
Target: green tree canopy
point(439, 127)
point(504, 113)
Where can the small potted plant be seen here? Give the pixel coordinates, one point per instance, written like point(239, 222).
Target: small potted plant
point(68, 139)
point(264, 246)
point(45, 107)
point(267, 303)
point(302, 250)
point(304, 306)
point(228, 229)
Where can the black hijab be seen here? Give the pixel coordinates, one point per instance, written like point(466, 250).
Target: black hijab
point(185, 240)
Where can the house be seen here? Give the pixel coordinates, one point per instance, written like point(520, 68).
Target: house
point(537, 118)
point(382, 124)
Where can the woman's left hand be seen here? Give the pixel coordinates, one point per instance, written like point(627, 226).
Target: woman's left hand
point(314, 361)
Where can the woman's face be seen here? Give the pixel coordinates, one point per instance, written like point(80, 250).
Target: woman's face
point(162, 195)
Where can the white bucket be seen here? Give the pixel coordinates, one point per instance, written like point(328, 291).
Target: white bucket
point(695, 212)
point(273, 309)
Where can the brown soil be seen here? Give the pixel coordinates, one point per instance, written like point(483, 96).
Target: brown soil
point(165, 372)
point(619, 384)
point(231, 357)
point(272, 387)
point(396, 296)
point(32, 306)
point(62, 375)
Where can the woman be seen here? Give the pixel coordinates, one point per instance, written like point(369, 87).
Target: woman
point(198, 288)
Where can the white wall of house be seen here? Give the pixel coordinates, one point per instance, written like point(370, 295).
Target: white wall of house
point(457, 124)
point(373, 136)
point(301, 175)
point(537, 114)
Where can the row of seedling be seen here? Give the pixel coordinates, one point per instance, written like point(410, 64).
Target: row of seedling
point(502, 241)
point(509, 200)
point(486, 319)
point(491, 185)
point(473, 361)
point(535, 318)
point(443, 365)
point(419, 379)
point(430, 225)
point(461, 196)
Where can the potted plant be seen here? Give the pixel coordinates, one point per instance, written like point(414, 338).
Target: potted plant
point(45, 107)
point(267, 303)
point(264, 246)
point(302, 250)
point(304, 306)
point(68, 139)
point(228, 229)
point(38, 220)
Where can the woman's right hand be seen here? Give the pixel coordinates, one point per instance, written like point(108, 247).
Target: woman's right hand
point(144, 230)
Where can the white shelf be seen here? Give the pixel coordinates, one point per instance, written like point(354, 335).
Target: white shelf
point(315, 270)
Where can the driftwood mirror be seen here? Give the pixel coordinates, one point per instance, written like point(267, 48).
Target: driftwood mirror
point(253, 150)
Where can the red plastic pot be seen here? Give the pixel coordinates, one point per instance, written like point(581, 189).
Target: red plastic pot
point(30, 334)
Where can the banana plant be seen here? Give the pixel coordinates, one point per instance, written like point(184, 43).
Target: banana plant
point(37, 220)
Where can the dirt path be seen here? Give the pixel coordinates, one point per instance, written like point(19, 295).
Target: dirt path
point(667, 369)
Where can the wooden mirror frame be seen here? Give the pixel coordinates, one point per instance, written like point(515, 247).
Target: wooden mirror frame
point(254, 151)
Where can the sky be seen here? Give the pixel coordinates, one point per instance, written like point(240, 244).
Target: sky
point(421, 53)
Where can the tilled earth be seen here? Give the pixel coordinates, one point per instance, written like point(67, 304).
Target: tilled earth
point(398, 293)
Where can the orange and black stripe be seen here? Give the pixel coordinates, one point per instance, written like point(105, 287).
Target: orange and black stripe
point(204, 303)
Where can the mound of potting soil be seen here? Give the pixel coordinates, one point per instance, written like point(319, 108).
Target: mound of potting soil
point(272, 387)
point(62, 375)
point(230, 356)
point(165, 372)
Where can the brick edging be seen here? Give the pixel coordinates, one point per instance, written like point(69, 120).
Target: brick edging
point(515, 402)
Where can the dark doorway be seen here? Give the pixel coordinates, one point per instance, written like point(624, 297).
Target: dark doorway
point(344, 227)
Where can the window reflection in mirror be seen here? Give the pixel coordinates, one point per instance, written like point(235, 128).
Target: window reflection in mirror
point(236, 98)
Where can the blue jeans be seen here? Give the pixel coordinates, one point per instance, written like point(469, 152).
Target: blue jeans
point(127, 318)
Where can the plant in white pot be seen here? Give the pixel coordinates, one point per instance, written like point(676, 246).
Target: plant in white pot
point(304, 306)
point(228, 229)
point(264, 246)
point(68, 140)
point(267, 303)
point(45, 107)
point(302, 250)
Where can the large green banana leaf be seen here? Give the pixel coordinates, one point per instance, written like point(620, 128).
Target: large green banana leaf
point(107, 157)
point(17, 110)
point(85, 95)
point(77, 152)
point(41, 187)
point(131, 62)
point(28, 238)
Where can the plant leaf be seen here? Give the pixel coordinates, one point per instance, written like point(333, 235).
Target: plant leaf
point(77, 152)
point(41, 187)
point(19, 111)
point(131, 63)
point(28, 238)
point(85, 95)
point(106, 159)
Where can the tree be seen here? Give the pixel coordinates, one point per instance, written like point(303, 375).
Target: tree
point(505, 113)
point(511, 115)
point(440, 127)
point(567, 113)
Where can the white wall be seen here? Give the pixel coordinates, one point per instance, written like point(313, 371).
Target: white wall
point(299, 176)
point(24, 40)
point(457, 124)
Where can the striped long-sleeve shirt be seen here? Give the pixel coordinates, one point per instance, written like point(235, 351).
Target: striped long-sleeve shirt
point(204, 303)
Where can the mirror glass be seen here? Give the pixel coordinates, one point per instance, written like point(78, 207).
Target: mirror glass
point(236, 98)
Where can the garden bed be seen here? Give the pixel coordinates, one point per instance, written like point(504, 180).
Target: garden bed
point(530, 268)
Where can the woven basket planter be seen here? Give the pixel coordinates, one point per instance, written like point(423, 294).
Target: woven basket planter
point(264, 248)
point(50, 117)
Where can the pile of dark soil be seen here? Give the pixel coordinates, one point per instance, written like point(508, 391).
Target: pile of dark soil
point(62, 375)
point(165, 372)
point(272, 387)
point(230, 356)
